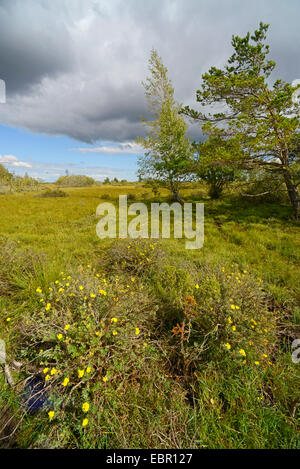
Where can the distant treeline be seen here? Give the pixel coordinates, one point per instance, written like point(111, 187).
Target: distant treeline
point(10, 182)
point(80, 180)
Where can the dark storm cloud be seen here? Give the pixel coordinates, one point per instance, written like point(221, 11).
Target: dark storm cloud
point(74, 67)
point(33, 44)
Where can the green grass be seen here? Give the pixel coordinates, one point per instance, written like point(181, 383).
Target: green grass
point(162, 391)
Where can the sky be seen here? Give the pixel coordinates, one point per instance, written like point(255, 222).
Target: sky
point(73, 71)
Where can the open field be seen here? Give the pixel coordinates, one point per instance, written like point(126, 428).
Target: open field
point(169, 348)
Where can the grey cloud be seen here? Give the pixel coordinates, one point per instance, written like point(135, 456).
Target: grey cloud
point(74, 67)
point(34, 43)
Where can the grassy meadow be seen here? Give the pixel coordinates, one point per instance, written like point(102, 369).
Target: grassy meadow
point(144, 344)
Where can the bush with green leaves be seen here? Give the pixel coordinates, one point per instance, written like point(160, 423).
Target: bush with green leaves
point(74, 180)
point(213, 312)
point(53, 193)
point(89, 337)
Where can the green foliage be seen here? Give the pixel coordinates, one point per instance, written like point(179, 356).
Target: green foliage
point(216, 175)
point(16, 183)
point(105, 196)
point(137, 257)
point(168, 150)
point(75, 181)
point(264, 187)
point(53, 193)
point(164, 388)
point(254, 125)
point(5, 175)
point(131, 197)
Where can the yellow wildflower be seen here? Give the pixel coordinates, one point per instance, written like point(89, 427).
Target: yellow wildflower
point(242, 352)
point(45, 370)
point(102, 292)
point(105, 378)
point(65, 382)
point(39, 290)
point(67, 327)
point(137, 331)
point(114, 320)
point(233, 328)
point(115, 332)
point(80, 373)
point(48, 306)
point(80, 287)
point(59, 336)
point(51, 415)
point(85, 422)
point(85, 407)
point(89, 369)
point(53, 371)
point(8, 319)
point(228, 346)
point(47, 377)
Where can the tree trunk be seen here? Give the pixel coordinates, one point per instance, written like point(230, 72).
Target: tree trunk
point(293, 194)
point(175, 192)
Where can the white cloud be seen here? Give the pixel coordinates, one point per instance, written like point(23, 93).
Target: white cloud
point(51, 172)
point(125, 148)
point(13, 162)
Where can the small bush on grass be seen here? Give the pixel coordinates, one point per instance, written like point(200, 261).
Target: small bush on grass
point(17, 267)
point(131, 197)
point(53, 193)
point(168, 355)
point(137, 256)
point(89, 336)
point(75, 180)
point(213, 312)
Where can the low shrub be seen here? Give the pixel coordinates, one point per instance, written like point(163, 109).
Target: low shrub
point(213, 312)
point(89, 337)
point(131, 197)
point(139, 256)
point(75, 180)
point(147, 349)
point(53, 193)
